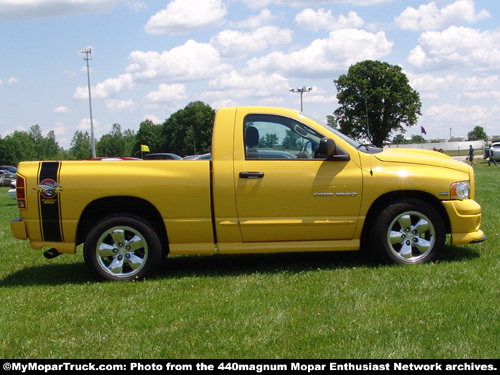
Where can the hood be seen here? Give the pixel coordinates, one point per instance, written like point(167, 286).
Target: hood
point(422, 157)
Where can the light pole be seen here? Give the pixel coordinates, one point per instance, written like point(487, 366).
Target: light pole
point(301, 91)
point(87, 52)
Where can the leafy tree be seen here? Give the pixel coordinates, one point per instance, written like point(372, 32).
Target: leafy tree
point(112, 144)
point(417, 139)
point(398, 139)
point(80, 146)
point(477, 134)
point(128, 142)
point(331, 121)
point(26, 146)
point(291, 141)
point(45, 148)
point(375, 99)
point(189, 130)
point(268, 141)
point(21, 147)
point(150, 135)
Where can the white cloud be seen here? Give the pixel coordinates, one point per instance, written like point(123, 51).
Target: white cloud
point(460, 117)
point(233, 43)
point(106, 88)
point(167, 93)
point(137, 6)
point(119, 105)
point(237, 88)
point(256, 4)
point(456, 87)
point(457, 47)
point(430, 17)
point(182, 16)
point(23, 9)
point(84, 125)
point(322, 19)
point(258, 84)
point(191, 61)
point(342, 49)
point(61, 109)
point(264, 18)
point(153, 118)
point(12, 81)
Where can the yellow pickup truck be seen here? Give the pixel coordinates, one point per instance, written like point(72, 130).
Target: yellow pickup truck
point(277, 181)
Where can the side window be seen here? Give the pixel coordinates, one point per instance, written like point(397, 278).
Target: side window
point(276, 137)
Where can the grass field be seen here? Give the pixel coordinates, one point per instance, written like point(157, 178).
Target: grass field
point(327, 305)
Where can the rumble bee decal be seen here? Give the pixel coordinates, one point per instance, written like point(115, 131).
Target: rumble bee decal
point(48, 188)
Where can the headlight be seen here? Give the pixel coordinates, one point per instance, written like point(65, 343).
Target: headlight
point(460, 190)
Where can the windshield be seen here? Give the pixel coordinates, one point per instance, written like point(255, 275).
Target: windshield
point(358, 146)
point(351, 141)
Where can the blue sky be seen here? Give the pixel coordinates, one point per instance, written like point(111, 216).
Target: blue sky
point(151, 58)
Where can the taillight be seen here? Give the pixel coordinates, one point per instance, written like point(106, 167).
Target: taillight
point(21, 192)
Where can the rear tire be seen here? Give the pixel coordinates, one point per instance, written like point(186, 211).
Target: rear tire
point(122, 247)
point(408, 232)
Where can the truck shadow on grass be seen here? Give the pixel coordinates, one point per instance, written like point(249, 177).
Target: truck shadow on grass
point(223, 265)
point(244, 264)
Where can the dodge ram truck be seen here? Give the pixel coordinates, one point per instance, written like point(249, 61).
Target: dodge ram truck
point(277, 181)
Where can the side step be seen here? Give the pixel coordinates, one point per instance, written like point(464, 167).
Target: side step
point(51, 253)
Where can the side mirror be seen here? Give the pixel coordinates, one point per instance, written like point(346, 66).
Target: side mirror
point(327, 147)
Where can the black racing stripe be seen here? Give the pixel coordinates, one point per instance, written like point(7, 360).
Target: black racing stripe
point(49, 207)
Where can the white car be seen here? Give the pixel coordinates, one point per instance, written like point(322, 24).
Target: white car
point(12, 190)
point(495, 147)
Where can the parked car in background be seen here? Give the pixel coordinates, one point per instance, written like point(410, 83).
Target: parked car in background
point(199, 157)
point(162, 156)
point(12, 191)
point(8, 169)
point(495, 147)
point(7, 178)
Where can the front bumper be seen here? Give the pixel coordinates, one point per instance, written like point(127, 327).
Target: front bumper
point(465, 221)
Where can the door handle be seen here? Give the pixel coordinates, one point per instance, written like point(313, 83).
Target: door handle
point(251, 175)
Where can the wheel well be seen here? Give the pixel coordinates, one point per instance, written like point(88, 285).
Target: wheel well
point(102, 207)
point(389, 198)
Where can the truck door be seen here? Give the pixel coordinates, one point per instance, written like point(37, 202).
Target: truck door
point(285, 192)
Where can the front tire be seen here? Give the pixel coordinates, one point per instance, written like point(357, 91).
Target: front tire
point(408, 232)
point(122, 248)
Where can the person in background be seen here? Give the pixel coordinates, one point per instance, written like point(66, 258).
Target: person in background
point(471, 155)
point(490, 155)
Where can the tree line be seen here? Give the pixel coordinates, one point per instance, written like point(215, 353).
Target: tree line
point(186, 132)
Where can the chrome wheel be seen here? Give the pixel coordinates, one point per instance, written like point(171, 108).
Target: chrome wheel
point(409, 231)
point(411, 236)
point(122, 247)
point(122, 251)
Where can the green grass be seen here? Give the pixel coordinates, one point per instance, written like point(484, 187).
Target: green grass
point(326, 305)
